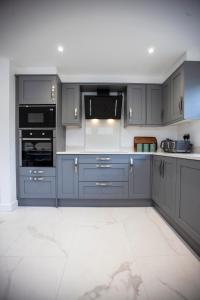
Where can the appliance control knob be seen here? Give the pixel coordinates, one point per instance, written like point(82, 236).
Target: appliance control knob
point(43, 133)
point(30, 133)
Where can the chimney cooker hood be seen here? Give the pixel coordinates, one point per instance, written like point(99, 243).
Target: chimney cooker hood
point(103, 106)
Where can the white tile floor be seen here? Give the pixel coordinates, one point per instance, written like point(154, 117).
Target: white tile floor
point(94, 253)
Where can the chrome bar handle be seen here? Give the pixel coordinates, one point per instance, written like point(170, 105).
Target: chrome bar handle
point(130, 113)
point(76, 164)
point(40, 172)
point(40, 178)
point(76, 113)
point(103, 184)
point(115, 107)
point(131, 164)
point(103, 158)
point(103, 166)
point(53, 92)
point(90, 107)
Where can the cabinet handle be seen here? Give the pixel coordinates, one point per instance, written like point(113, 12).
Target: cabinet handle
point(90, 107)
point(131, 164)
point(76, 164)
point(130, 113)
point(40, 172)
point(76, 113)
point(103, 166)
point(160, 168)
point(53, 92)
point(103, 184)
point(115, 108)
point(163, 169)
point(40, 178)
point(181, 105)
point(103, 158)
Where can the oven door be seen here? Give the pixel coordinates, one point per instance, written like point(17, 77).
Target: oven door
point(37, 116)
point(36, 152)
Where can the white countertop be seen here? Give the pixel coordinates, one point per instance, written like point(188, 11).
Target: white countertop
point(195, 156)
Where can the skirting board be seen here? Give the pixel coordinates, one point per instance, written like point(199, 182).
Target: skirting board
point(6, 207)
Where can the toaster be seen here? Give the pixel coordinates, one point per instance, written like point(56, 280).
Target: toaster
point(176, 146)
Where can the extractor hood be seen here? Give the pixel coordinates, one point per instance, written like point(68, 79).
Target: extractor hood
point(103, 106)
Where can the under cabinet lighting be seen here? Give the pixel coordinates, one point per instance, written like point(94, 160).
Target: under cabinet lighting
point(151, 50)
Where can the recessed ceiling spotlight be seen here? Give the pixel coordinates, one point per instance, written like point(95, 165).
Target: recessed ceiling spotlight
point(151, 50)
point(60, 48)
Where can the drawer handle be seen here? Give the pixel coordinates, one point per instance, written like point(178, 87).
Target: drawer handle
point(103, 158)
point(76, 113)
point(40, 172)
point(130, 113)
point(40, 178)
point(76, 164)
point(103, 184)
point(103, 166)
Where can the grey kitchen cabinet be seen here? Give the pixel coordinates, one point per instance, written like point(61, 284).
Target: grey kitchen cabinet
point(37, 187)
point(67, 176)
point(71, 105)
point(103, 190)
point(140, 177)
point(164, 183)
point(37, 171)
point(177, 93)
point(166, 98)
point(188, 197)
point(135, 105)
point(154, 104)
point(37, 89)
point(103, 158)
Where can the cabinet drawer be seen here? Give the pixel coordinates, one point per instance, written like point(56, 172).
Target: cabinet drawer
point(103, 172)
point(37, 171)
point(37, 187)
point(103, 190)
point(103, 158)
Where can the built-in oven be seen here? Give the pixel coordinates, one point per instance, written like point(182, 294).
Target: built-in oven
point(36, 148)
point(37, 116)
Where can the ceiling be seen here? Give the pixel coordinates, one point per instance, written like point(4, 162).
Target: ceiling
point(100, 38)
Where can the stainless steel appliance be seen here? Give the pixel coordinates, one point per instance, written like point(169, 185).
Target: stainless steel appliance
point(36, 148)
point(37, 116)
point(176, 146)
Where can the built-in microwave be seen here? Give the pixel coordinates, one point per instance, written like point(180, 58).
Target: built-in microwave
point(37, 116)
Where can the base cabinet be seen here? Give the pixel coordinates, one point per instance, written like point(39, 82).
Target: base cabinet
point(140, 177)
point(67, 176)
point(37, 187)
point(188, 197)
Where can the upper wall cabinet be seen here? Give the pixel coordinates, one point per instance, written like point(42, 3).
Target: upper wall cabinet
point(166, 98)
point(177, 90)
point(37, 89)
point(135, 105)
point(71, 105)
point(154, 104)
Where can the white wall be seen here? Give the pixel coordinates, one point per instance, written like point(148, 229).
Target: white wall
point(7, 137)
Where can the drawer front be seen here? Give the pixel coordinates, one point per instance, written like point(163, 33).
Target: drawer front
point(103, 190)
point(37, 187)
point(37, 171)
point(103, 158)
point(103, 172)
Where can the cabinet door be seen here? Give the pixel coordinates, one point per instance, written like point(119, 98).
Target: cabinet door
point(157, 181)
point(154, 104)
point(37, 187)
point(136, 104)
point(71, 104)
point(177, 88)
point(188, 199)
point(140, 177)
point(166, 94)
point(169, 186)
point(67, 177)
point(35, 89)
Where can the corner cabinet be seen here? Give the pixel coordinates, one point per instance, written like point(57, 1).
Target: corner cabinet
point(135, 105)
point(166, 98)
point(177, 93)
point(140, 177)
point(154, 104)
point(188, 197)
point(67, 176)
point(37, 89)
point(71, 105)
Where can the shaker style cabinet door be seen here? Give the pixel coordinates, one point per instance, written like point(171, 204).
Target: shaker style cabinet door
point(136, 104)
point(67, 176)
point(157, 183)
point(37, 89)
point(177, 91)
point(71, 104)
point(166, 94)
point(154, 104)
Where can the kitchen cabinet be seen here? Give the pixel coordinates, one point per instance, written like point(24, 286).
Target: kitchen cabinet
point(164, 183)
point(154, 104)
point(37, 187)
point(135, 105)
point(177, 93)
point(188, 197)
point(140, 177)
point(166, 98)
point(37, 89)
point(71, 105)
point(67, 176)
